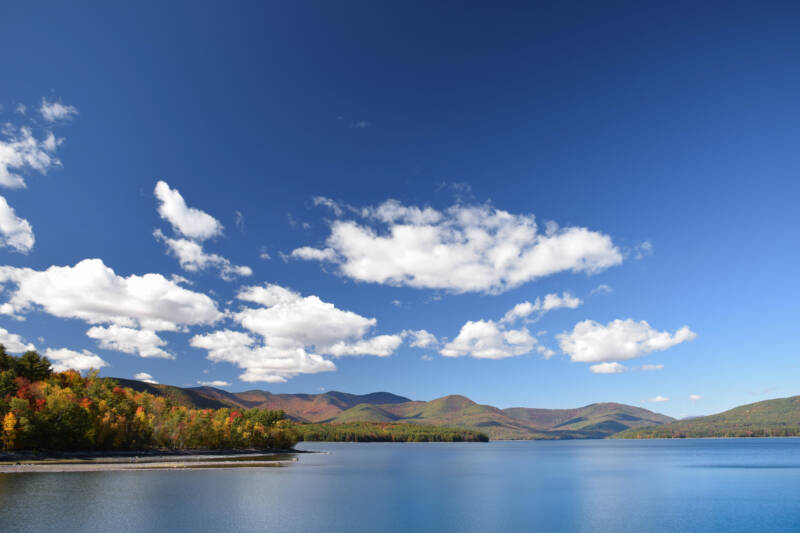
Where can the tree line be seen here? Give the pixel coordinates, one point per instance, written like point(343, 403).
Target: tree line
point(59, 411)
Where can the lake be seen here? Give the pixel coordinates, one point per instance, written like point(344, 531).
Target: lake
point(597, 486)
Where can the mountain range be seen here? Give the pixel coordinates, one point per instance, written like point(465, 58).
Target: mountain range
point(597, 420)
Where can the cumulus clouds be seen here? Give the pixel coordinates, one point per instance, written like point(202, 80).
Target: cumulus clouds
point(193, 258)
point(133, 308)
point(147, 378)
point(541, 306)
point(21, 151)
point(289, 334)
point(461, 249)
point(14, 343)
point(486, 339)
point(15, 232)
point(619, 340)
point(144, 343)
point(65, 359)
point(489, 339)
point(187, 221)
point(195, 226)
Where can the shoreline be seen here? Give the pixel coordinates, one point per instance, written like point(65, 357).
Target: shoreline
point(28, 462)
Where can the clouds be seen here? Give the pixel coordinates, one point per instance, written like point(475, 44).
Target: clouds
point(92, 292)
point(619, 340)
point(65, 359)
point(485, 339)
point(147, 378)
point(695, 397)
point(21, 151)
point(542, 306)
point(14, 343)
point(461, 249)
point(658, 399)
point(193, 258)
point(55, 111)
point(133, 307)
point(15, 232)
point(188, 221)
point(607, 368)
point(144, 343)
point(289, 334)
point(196, 226)
point(215, 383)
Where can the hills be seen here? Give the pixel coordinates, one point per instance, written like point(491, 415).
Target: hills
point(592, 421)
point(769, 418)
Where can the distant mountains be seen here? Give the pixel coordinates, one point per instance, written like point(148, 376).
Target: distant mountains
point(598, 420)
point(770, 418)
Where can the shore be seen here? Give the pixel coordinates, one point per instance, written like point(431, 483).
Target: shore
point(27, 462)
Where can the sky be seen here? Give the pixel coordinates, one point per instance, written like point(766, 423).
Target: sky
point(541, 205)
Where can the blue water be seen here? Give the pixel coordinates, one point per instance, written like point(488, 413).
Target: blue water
point(597, 486)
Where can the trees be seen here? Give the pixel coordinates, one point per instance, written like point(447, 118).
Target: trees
point(41, 409)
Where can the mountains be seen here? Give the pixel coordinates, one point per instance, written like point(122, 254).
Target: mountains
point(769, 418)
point(598, 420)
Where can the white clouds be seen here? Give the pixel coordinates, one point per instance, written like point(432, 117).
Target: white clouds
point(197, 226)
point(541, 306)
point(55, 111)
point(313, 254)
point(147, 378)
point(485, 339)
point(333, 205)
point(262, 362)
point(591, 342)
point(92, 292)
point(658, 399)
point(607, 368)
point(695, 397)
point(239, 220)
point(192, 257)
point(145, 343)
point(22, 151)
point(421, 338)
point(602, 289)
point(188, 221)
point(215, 383)
point(65, 359)
point(15, 232)
point(14, 343)
point(295, 333)
point(462, 249)
point(651, 368)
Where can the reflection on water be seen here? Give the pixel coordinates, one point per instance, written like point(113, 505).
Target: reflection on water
point(682, 485)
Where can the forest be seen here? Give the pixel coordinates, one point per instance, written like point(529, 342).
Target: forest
point(61, 411)
point(386, 432)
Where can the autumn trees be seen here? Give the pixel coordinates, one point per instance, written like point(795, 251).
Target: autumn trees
point(41, 409)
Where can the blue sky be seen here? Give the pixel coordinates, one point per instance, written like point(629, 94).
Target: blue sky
point(361, 173)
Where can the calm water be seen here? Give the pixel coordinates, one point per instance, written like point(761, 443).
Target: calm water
point(615, 486)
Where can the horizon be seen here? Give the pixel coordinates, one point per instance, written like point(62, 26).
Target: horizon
point(547, 208)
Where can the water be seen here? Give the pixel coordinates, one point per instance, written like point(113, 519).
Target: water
point(597, 486)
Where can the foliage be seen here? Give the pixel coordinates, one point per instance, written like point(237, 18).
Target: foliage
point(41, 409)
point(386, 432)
